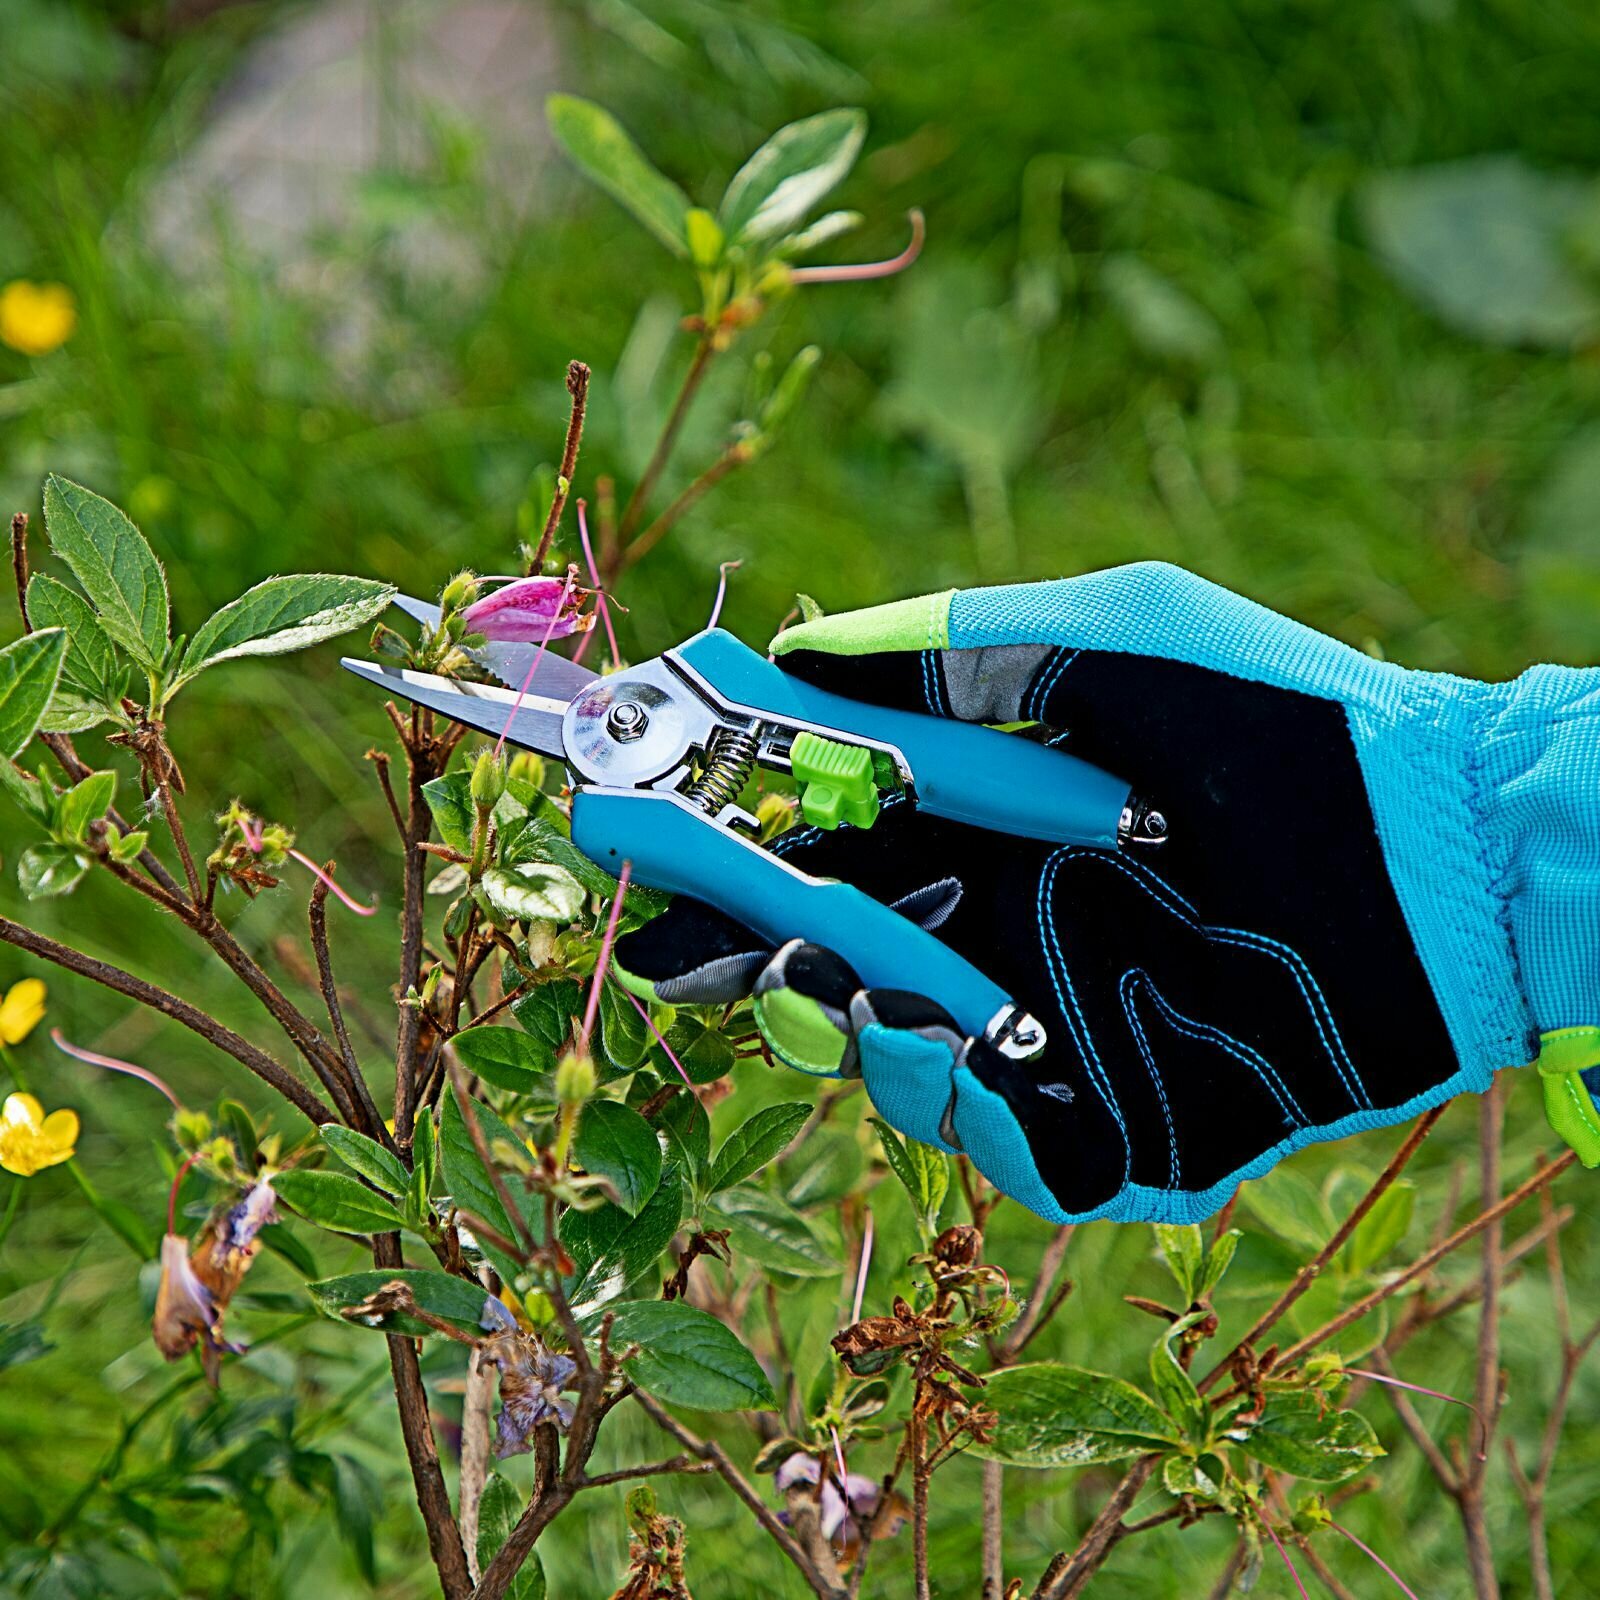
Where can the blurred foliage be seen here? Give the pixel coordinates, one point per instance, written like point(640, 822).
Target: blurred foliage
point(1300, 295)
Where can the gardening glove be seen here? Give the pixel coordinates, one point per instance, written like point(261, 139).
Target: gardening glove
point(1380, 887)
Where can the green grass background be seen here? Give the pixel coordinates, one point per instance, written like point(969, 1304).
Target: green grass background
point(1257, 398)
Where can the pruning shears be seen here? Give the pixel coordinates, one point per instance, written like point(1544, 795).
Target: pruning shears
point(659, 753)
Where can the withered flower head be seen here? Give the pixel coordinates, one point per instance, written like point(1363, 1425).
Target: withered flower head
point(842, 1515)
point(531, 1380)
point(187, 1313)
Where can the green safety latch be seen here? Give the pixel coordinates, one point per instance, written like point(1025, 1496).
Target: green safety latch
point(837, 781)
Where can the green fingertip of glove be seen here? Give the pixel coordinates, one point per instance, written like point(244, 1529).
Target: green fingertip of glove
point(922, 623)
point(640, 987)
point(1568, 1105)
point(799, 1032)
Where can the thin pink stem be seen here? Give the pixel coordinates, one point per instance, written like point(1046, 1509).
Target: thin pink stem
point(722, 589)
point(838, 1456)
point(254, 832)
point(333, 888)
point(172, 1193)
point(112, 1064)
point(1286, 1561)
point(599, 592)
point(533, 666)
point(1404, 1587)
point(644, 1012)
point(861, 1271)
point(593, 1007)
point(1433, 1394)
point(857, 271)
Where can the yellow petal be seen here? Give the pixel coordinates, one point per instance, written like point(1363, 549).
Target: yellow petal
point(36, 318)
point(60, 1132)
point(21, 1010)
point(22, 1111)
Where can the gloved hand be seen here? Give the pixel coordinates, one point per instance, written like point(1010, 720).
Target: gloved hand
point(1380, 887)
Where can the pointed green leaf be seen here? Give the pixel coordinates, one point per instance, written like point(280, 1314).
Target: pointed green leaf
point(1057, 1416)
point(703, 1050)
point(85, 802)
point(687, 1357)
point(367, 1157)
point(924, 1171)
point(790, 173)
point(45, 870)
point(332, 1200)
point(756, 1142)
point(72, 713)
point(498, 1511)
point(1174, 1387)
point(508, 1058)
point(284, 614)
point(615, 1142)
point(29, 670)
point(769, 1231)
point(602, 149)
point(1383, 1227)
point(1184, 1253)
point(91, 663)
point(536, 891)
point(115, 566)
point(449, 1298)
point(469, 1184)
point(611, 1250)
point(624, 1035)
point(1217, 1262)
point(547, 1010)
point(1299, 1434)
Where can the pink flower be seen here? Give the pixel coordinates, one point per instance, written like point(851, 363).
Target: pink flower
point(841, 1516)
point(529, 611)
point(187, 1313)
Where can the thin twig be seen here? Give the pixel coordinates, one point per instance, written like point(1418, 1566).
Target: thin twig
point(169, 1005)
point(578, 388)
point(370, 1122)
point(735, 456)
point(650, 1469)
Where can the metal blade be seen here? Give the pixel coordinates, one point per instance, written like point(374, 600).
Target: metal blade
point(557, 677)
point(534, 725)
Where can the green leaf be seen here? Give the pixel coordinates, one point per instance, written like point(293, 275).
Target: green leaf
point(508, 1058)
point(624, 1035)
point(116, 568)
point(1174, 1387)
point(450, 801)
point(470, 1186)
point(332, 1200)
point(357, 1501)
point(1185, 1256)
point(924, 1171)
point(1383, 1227)
point(823, 1168)
point(282, 1241)
point(29, 669)
point(1182, 1475)
point(44, 870)
point(498, 1510)
point(704, 1052)
point(72, 713)
point(610, 1249)
point(1218, 1261)
point(22, 1341)
point(823, 231)
point(687, 1128)
point(790, 173)
point(1299, 1435)
point(547, 1010)
point(688, 1358)
point(769, 1231)
point(600, 147)
point(534, 840)
point(91, 663)
point(1291, 1208)
point(1483, 243)
point(285, 614)
point(537, 891)
point(424, 1162)
point(615, 1142)
point(85, 802)
point(1058, 1416)
point(756, 1142)
point(367, 1157)
point(449, 1298)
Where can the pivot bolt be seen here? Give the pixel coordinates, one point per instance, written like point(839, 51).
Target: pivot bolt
point(626, 721)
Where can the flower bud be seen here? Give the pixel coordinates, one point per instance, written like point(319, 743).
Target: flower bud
point(458, 592)
point(528, 611)
point(488, 780)
point(576, 1079)
point(529, 766)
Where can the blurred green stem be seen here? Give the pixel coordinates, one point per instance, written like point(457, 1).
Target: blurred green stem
point(13, 1201)
point(637, 501)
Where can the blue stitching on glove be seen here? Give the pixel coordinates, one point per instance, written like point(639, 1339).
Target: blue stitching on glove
point(1046, 684)
point(1258, 1063)
point(1174, 1166)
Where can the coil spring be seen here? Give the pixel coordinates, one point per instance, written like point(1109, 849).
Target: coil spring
point(729, 763)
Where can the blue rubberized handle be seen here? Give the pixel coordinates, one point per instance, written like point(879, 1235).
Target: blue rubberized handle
point(962, 770)
point(674, 847)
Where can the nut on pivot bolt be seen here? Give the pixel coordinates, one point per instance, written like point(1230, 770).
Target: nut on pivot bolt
point(626, 721)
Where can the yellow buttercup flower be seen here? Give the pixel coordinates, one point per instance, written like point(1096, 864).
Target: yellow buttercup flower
point(36, 318)
point(21, 1010)
point(31, 1141)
